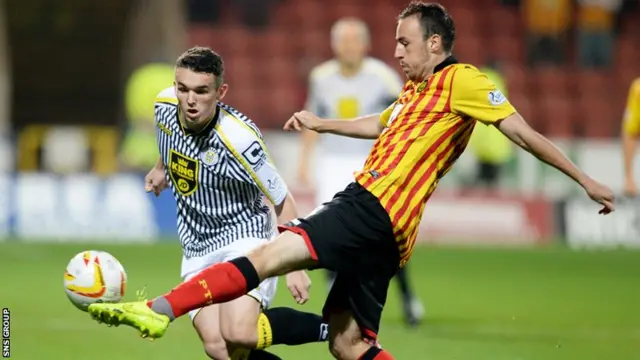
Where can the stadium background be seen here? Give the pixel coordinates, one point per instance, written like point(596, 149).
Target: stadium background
point(76, 139)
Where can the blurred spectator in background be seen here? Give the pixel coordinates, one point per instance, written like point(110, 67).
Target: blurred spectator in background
point(548, 23)
point(490, 147)
point(140, 149)
point(630, 133)
point(349, 86)
point(596, 32)
point(254, 13)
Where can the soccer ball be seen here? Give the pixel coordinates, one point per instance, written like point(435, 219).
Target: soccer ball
point(94, 276)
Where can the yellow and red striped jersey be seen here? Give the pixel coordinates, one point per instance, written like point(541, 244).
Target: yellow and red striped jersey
point(631, 125)
point(426, 130)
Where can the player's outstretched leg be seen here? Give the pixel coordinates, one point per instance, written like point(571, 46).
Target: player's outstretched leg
point(413, 309)
point(219, 283)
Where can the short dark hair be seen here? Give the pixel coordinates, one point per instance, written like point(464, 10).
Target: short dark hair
point(203, 60)
point(434, 19)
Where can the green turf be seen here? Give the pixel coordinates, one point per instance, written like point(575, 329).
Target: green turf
point(482, 305)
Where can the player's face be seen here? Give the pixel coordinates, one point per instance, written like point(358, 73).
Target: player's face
point(350, 45)
point(197, 95)
point(412, 49)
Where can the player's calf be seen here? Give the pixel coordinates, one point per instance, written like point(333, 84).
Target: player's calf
point(227, 281)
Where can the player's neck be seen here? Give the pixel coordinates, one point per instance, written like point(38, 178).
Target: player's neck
point(350, 70)
point(432, 64)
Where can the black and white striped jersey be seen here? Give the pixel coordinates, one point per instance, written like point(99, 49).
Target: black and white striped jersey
point(218, 177)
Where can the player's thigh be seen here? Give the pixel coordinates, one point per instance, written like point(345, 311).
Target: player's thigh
point(239, 317)
point(239, 321)
point(348, 233)
point(207, 324)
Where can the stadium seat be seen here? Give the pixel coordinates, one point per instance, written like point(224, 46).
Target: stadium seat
point(557, 115)
point(516, 78)
point(598, 117)
point(522, 103)
point(469, 50)
point(550, 81)
point(591, 82)
point(507, 48)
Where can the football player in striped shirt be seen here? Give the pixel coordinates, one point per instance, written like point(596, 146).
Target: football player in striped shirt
point(349, 86)
point(215, 162)
point(369, 229)
point(630, 134)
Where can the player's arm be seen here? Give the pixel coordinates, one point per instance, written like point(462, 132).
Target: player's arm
point(366, 127)
point(263, 173)
point(477, 97)
point(630, 133)
point(518, 131)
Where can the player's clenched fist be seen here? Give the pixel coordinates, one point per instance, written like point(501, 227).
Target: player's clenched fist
point(302, 120)
point(600, 194)
point(299, 284)
point(155, 180)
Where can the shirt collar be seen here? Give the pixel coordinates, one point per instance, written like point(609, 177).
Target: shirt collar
point(448, 61)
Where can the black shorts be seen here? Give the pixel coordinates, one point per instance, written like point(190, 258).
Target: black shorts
point(352, 235)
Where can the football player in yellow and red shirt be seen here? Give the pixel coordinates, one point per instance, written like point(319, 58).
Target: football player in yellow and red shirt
point(369, 229)
point(630, 134)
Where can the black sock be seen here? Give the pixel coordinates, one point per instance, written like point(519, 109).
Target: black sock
point(290, 327)
point(370, 354)
point(262, 355)
point(403, 282)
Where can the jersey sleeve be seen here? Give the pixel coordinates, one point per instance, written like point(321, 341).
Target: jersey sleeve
point(631, 121)
point(262, 170)
point(475, 96)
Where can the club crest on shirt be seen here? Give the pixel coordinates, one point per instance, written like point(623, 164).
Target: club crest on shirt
point(183, 171)
point(209, 157)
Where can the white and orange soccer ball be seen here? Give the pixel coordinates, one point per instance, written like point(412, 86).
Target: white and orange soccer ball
point(94, 276)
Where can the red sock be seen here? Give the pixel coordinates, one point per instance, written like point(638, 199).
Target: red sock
point(375, 353)
point(216, 284)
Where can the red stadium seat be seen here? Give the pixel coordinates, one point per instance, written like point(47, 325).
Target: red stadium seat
point(558, 115)
point(523, 105)
point(599, 119)
point(507, 48)
point(465, 20)
point(550, 81)
point(593, 82)
point(470, 50)
point(516, 78)
point(500, 21)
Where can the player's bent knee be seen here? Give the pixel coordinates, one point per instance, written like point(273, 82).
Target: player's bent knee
point(287, 253)
point(240, 336)
point(342, 347)
point(216, 349)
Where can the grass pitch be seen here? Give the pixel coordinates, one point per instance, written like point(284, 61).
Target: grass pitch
point(482, 304)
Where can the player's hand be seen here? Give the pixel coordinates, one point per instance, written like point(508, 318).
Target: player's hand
point(600, 194)
point(155, 181)
point(630, 188)
point(302, 120)
point(299, 284)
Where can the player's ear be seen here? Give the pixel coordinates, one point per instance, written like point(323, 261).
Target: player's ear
point(435, 43)
point(222, 91)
